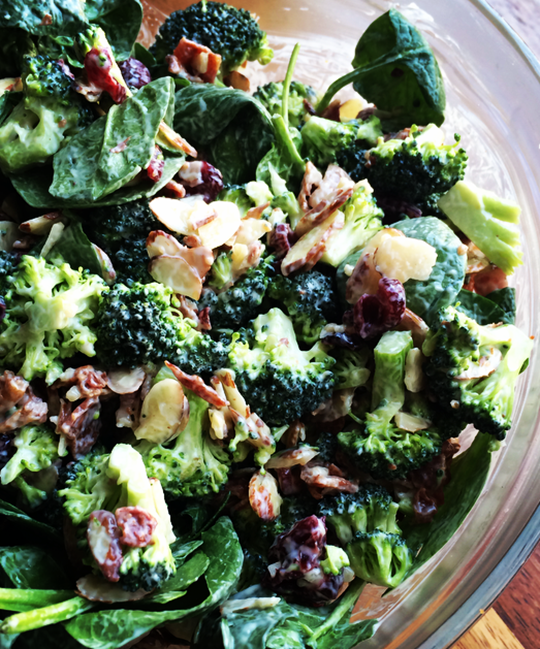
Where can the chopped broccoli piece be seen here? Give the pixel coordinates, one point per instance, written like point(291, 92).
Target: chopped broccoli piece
point(237, 194)
point(310, 301)
point(336, 560)
point(362, 222)
point(490, 222)
point(370, 508)
point(417, 169)
point(350, 368)
point(50, 308)
point(380, 557)
point(140, 323)
point(271, 97)
point(233, 33)
point(382, 448)
point(193, 464)
point(221, 275)
point(37, 449)
point(238, 304)
point(473, 369)
point(323, 138)
point(279, 381)
point(48, 113)
point(121, 231)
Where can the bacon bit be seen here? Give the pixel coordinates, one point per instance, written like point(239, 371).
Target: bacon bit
point(294, 434)
point(264, 496)
point(237, 80)
point(86, 382)
point(122, 146)
point(18, 402)
point(46, 20)
point(486, 281)
point(322, 211)
point(320, 477)
point(332, 112)
point(99, 66)
point(137, 526)
point(198, 60)
point(311, 180)
point(156, 166)
point(104, 542)
point(198, 386)
point(204, 319)
point(176, 189)
point(81, 427)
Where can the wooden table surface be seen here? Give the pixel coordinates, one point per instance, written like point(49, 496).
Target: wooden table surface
point(513, 622)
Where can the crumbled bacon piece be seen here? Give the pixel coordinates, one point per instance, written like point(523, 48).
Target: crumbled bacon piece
point(198, 60)
point(156, 166)
point(85, 381)
point(19, 405)
point(81, 426)
point(198, 386)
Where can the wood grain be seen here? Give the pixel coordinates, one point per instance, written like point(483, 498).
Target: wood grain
point(490, 632)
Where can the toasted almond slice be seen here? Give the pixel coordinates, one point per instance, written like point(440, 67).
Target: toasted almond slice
point(222, 228)
point(164, 413)
point(161, 243)
point(245, 257)
point(176, 273)
point(256, 212)
point(199, 258)
point(97, 589)
point(411, 423)
point(172, 138)
point(107, 269)
point(251, 230)
point(53, 238)
point(198, 386)
point(41, 225)
point(183, 215)
point(414, 380)
point(311, 180)
point(232, 394)
point(485, 366)
point(291, 457)
point(125, 381)
point(264, 496)
point(322, 211)
point(307, 251)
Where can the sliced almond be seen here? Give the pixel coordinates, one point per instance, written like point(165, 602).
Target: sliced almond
point(322, 211)
point(292, 457)
point(164, 413)
point(107, 269)
point(411, 423)
point(264, 496)
point(177, 274)
point(252, 230)
point(173, 139)
point(53, 238)
point(161, 243)
point(41, 225)
point(311, 180)
point(198, 386)
point(97, 589)
point(232, 394)
point(223, 227)
point(485, 366)
point(125, 381)
point(414, 380)
point(184, 215)
point(307, 251)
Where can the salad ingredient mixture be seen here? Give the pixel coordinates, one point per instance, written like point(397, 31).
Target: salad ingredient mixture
point(241, 330)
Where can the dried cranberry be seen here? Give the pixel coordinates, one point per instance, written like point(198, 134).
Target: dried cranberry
point(103, 538)
point(282, 238)
point(7, 449)
point(375, 314)
point(135, 73)
point(200, 177)
point(156, 166)
point(295, 568)
point(99, 65)
point(137, 525)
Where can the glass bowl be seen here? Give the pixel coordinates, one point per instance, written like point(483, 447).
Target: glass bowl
point(493, 95)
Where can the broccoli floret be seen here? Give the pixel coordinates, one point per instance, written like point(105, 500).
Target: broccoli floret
point(323, 138)
point(50, 308)
point(37, 449)
point(8, 264)
point(48, 113)
point(271, 97)
point(119, 479)
point(235, 306)
point(417, 169)
point(233, 33)
point(473, 369)
point(310, 301)
point(490, 222)
point(350, 368)
point(382, 448)
point(370, 508)
point(140, 324)
point(362, 221)
point(279, 381)
point(121, 231)
point(193, 464)
point(380, 558)
point(221, 274)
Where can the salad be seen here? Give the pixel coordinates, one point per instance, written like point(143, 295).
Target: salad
point(241, 330)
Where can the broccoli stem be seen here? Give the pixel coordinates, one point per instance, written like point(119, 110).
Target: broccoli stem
point(347, 602)
point(23, 599)
point(45, 616)
point(335, 87)
point(283, 134)
point(287, 85)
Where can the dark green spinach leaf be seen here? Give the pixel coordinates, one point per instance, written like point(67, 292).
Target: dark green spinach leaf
point(44, 17)
point(395, 68)
point(17, 517)
point(486, 310)
point(31, 567)
point(120, 20)
point(76, 249)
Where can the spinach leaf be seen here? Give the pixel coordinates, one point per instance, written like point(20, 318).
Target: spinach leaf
point(110, 152)
point(425, 298)
point(287, 625)
point(506, 299)
point(187, 574)
point(17, 516)
point(233, 127)
point(76, 249)
point(48, 637)
point(114, 628)
point(44, 17)
point(395, 68)
point(8, 101)
point(31, 567)
point(485, 310)
point(33, 186)
point(23, 600)
point(283, 157)
point(120, 20)
point(469, 474)
point(182, 550)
